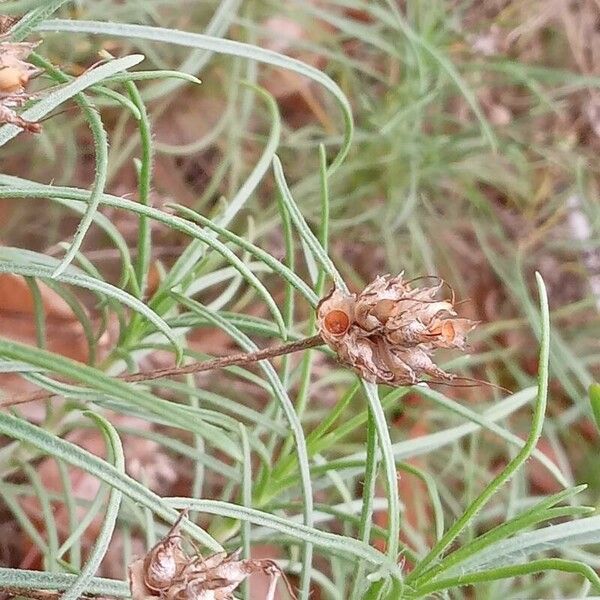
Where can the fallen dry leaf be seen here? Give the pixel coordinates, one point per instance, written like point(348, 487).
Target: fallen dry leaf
point(64, 333)
point(15, 297)
point(298, 97)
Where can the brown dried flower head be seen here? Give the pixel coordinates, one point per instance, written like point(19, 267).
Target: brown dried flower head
point(167, 572)
point(15, 73)
point(389, 332)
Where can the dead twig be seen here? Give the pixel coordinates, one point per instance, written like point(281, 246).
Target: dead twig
point(239, 359)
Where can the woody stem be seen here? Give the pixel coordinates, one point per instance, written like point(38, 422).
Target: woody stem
point(242, 358)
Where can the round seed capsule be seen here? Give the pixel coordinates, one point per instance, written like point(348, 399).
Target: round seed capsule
point(337, 322)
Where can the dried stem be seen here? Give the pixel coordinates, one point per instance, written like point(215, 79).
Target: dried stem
point(12, 592)
point(242, 358)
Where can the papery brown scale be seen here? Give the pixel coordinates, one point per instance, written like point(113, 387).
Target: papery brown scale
point(451, 333)
point(448, 332)
point(163, 564)
point(200, 565)
point(383, 310)
point(335, 314)
point(396, 370)
point(166, 560)
point(15, 73)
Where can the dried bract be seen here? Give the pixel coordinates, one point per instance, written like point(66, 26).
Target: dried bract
point(389, 331)
point(219, 575)
point(166, 560)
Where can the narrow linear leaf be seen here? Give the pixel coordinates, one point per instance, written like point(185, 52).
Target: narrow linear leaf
point(343, 545)
point(24, 27)
point(515, 549)
point(25, 579)
point(48, 443)
point(65, 92)
point(594, 394)
point(421, 572)
point(32, 264)
point(129, 396)
point(218, 45)
point(110, 518)
point(303, 229)
point(33, 191)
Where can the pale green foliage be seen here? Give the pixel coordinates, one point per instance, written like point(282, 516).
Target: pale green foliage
point(304, 474)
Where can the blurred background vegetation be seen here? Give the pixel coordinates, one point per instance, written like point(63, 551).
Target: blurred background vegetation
point(474, 157)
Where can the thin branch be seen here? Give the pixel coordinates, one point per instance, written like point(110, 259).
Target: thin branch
point(227, 361)
point(242, 358)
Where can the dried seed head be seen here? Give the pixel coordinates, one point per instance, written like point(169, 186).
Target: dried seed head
point(12, 62)
point(168, 573)
point(389, 331)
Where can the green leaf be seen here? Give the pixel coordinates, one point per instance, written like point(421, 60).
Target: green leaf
point(112, 510)
point(221, 46)
point(306, 234)
point(513, 550)
point(339, 544)
point(25, 26)
point(594, 394)
point(421, 572)
point(24, 579)
point(52, 445)
point(529, 568)
point(127, 397)
point(33, 264)
point(67, 91)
